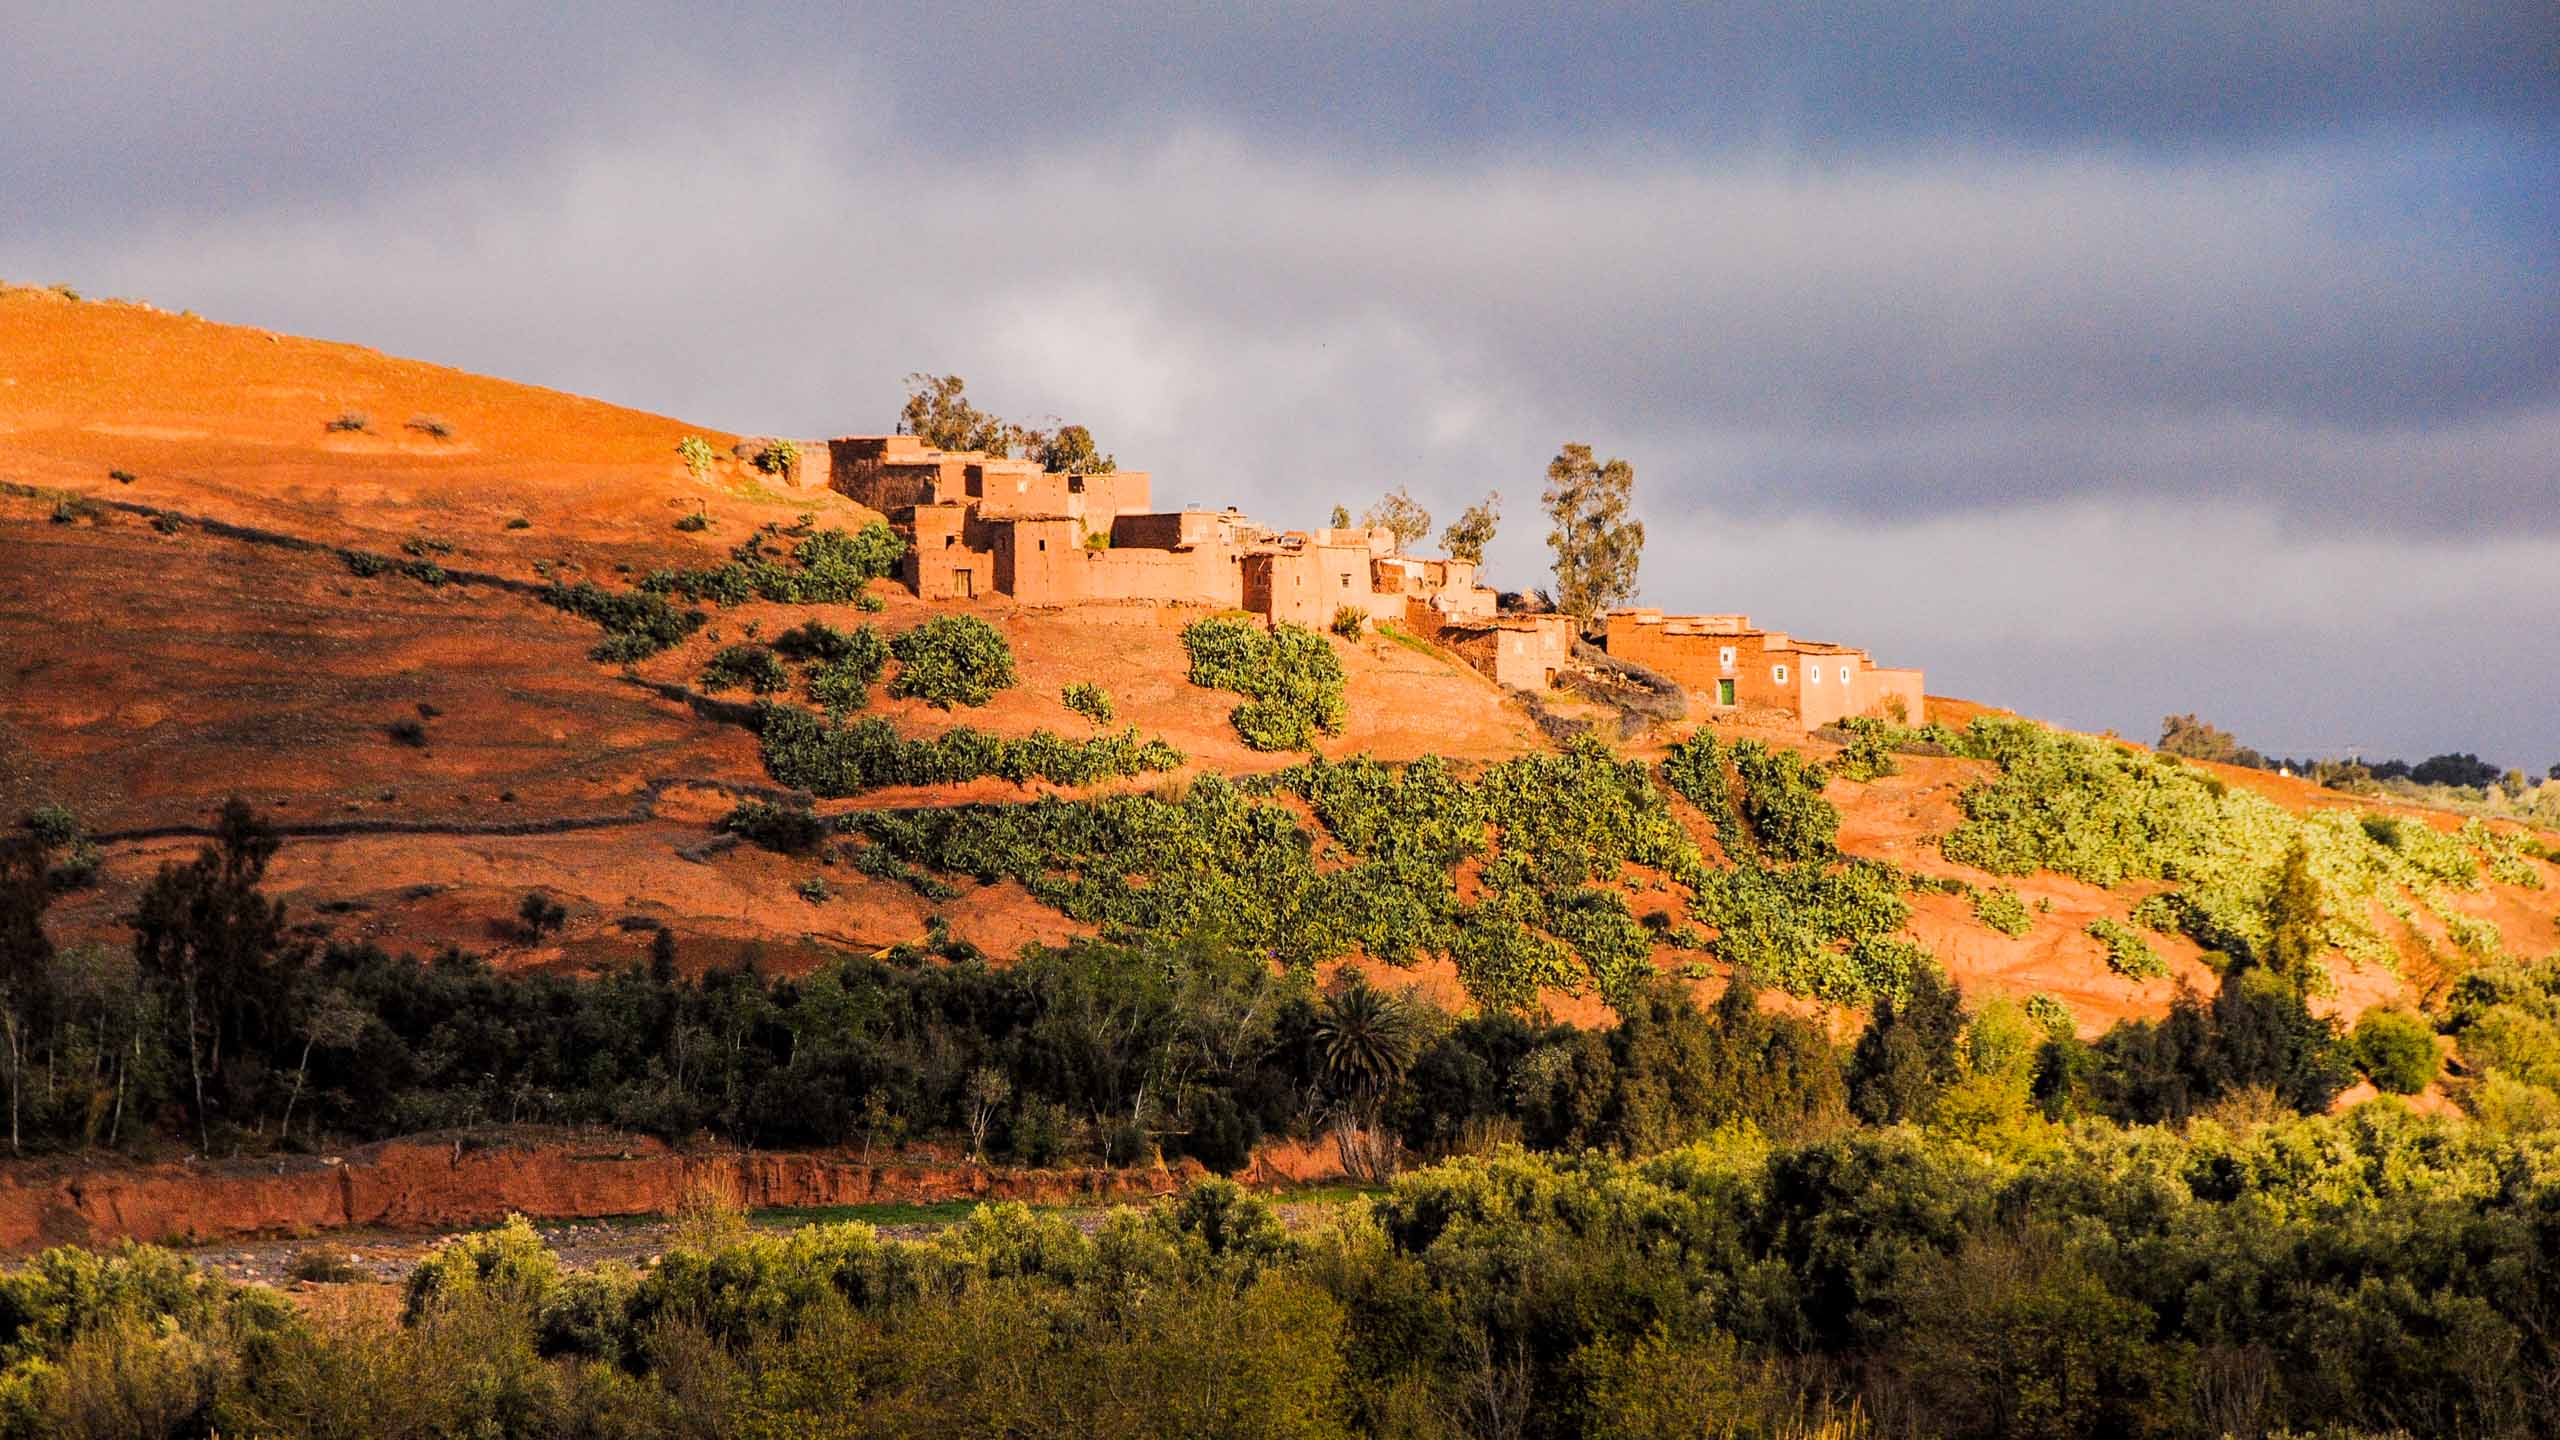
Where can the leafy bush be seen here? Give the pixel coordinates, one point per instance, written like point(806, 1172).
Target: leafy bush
point(749, 667)
point(787, 829)
point(694, 523)
point(2107, 815)
point(1291, 679)
point(637, 625)
point(952, 660)
point(317, 1266)
point(364, 564)
point(1088, 700)
point(830, 759)
point(1760, 800)
point(2002, 910)
point(541, 915)
point(2396, 1050)
point(698, 456)
point(815, 640)
point(814, 890)
point(1350, 621)
point(509, 1264)
point(2127, 953)
point(781, 457)
point(830, 568)
point(1865, 756)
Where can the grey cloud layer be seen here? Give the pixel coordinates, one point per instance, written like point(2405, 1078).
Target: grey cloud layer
point(295, 98)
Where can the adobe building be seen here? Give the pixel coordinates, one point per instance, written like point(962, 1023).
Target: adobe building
point(980, 525)
point(1520, 652)
point(1734, 667)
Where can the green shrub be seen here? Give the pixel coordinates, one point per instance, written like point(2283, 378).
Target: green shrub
point(1782, 803)
point(831, 759)
point(2002, 910)
point(1865, 756)
point(814, 890)
point(364, 564)
point(830, 568)
point(1289, 675)
point(814, 640)
point(748, 667)
point(2396, 1050)
point(694, 523)
point(2127, 953)
point(698, 457)
point(844, 682)
point(317, 1266)
point(1350, 621)
point(637, 625)
point(509, 1264)
point(952, 660)
point(2051, 1016)
point(782, 457)
point(785, 829)
point(122, 477)
point(2108, 815)
point(427, 573)
point(540, 915)
point(1088, 700)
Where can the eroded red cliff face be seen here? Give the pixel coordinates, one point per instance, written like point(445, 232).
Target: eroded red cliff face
point(416, 1185)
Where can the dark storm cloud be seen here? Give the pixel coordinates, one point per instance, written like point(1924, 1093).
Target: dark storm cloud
point(125, 105)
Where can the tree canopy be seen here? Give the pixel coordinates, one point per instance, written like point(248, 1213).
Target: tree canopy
point(1467, 536)
point(1597, 542)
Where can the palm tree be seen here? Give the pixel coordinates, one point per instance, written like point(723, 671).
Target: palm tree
point(1366, 1039)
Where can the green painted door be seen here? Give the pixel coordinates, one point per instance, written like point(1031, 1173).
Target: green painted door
point(1724, 692)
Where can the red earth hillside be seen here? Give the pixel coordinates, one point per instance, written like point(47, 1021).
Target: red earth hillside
point(156, 666)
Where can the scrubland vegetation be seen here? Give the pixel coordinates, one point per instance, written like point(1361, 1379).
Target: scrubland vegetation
point(1291, 679)
point(2369, 1274)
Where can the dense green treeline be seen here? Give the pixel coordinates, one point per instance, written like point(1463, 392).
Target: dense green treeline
point(1110, 1052)
point(2373, 1273)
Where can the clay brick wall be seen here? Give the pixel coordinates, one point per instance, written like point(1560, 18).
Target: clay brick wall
point(1827, 689)
point(1883, 686)
point(886, 472)
point(1111, 494)
point(1166, 530)
point(945, 559)
point(1039, 561)
point(1287, 585)
point(1209, 575)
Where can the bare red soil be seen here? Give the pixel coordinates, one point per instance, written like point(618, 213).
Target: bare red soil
point(441, 1184)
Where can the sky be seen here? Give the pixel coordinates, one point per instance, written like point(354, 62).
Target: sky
point(2105, 364)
